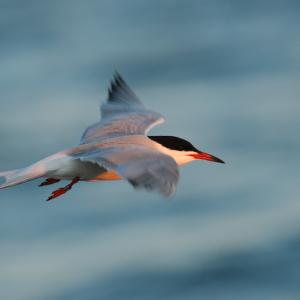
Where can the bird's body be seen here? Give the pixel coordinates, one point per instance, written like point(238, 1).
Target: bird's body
point(116, 148)
point(65, 165)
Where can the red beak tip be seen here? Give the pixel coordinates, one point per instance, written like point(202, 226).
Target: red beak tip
point(207, 156)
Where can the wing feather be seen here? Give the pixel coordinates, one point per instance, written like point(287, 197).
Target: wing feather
point(120, 93)
point(122, 114)
point(143, 167)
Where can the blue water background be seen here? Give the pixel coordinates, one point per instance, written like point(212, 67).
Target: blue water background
point(226, 76)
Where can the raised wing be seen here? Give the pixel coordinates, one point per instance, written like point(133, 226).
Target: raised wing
point(121, 98)
point(135, 122)
point(122, 114)
point(143, 167)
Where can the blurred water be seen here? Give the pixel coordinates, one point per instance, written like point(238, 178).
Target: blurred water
point(226, 76)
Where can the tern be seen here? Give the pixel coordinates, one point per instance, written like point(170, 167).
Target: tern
point(116, 147)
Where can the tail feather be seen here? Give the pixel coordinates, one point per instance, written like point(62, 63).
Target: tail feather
point(18, 176)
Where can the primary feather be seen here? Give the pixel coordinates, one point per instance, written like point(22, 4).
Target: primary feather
point(122, 114)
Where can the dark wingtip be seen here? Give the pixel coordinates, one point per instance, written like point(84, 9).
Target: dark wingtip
point(118, 77)
point(116, 73)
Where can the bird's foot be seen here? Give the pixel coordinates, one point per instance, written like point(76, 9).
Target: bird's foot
point(63, 190)
point(49, 181)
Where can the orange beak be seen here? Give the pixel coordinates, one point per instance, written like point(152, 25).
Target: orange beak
point(207, 156)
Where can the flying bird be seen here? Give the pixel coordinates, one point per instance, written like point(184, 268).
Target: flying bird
point(116, 147)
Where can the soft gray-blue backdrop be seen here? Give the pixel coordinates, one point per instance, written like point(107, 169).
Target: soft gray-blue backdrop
point(226, 76)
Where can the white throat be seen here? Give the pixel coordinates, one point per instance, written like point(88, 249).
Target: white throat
point(181, 157)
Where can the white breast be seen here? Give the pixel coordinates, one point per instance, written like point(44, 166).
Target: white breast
point(70, 168)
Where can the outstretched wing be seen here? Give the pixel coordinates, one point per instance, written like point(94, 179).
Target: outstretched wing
point(122, 114)
point(121, 98)
point(142, 166)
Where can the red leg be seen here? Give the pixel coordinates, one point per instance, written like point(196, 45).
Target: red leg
point(49, 181)
point(63, 190)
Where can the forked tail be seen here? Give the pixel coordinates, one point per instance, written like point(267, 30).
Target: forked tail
point(19, 176)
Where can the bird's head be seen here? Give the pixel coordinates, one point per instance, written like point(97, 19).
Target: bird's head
point(183, 151)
